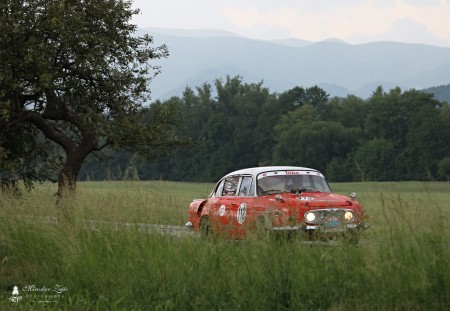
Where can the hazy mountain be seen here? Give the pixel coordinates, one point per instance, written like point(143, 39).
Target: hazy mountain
point(441, 92)
point(201, 56)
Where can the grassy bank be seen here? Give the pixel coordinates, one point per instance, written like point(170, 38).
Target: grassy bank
point(402, 263)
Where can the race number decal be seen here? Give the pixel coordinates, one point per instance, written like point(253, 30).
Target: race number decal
point(222, 210)
point(306, 198)
point(242, 211)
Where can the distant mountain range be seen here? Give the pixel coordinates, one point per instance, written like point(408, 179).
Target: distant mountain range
point(199, 56)
point(441, 92)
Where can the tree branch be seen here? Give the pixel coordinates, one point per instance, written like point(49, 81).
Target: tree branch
point(57, 110)
point(48, 130)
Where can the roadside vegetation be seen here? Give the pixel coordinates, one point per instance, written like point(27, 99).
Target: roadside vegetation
point(401, 263)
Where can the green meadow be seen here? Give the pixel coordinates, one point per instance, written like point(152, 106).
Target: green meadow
point(59, 261)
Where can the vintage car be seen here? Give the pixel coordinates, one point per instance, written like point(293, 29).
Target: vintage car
point(288, 200)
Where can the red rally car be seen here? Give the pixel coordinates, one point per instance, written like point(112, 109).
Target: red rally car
point(277, 199)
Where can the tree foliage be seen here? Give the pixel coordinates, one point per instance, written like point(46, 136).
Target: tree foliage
point(392, 135)
point(75, 72)
point(416, 125)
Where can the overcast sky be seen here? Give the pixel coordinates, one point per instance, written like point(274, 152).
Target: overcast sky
point(354, 21)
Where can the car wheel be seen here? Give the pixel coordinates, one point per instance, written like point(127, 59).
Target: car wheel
point(205, 226)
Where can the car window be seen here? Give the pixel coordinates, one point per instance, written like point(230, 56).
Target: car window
point(219, 189)
point(285, 181)
point(319, 184)
point(306, 182)
point(270, 183)
point(230, 186)
point(246, 188)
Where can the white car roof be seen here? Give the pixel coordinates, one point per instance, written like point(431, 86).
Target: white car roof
point(254, 171)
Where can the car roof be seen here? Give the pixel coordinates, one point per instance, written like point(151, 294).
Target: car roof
point(254, 171)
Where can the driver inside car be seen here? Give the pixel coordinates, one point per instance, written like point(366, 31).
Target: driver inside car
point(294, 183)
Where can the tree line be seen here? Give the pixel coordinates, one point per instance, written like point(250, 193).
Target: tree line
point(393, 135)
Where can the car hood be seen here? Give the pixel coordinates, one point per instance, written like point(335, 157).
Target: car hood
point(316, 199)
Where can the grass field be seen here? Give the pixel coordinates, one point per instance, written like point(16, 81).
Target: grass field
point(401, 263)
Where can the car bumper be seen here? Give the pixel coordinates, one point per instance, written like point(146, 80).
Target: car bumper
point(345, 227)
point(321, 228)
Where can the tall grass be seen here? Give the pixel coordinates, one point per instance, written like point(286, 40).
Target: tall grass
point(402, 262)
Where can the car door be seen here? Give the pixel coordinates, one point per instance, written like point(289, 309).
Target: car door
point(241, 214)
point(225, 205)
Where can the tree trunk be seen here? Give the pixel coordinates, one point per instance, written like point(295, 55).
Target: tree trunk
point(75, 153)
point(67, 177)
point(361, 172)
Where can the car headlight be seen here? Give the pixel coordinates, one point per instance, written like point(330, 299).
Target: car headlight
point(310, 217)
point(349, 216)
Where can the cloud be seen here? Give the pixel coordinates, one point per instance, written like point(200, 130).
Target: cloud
point(315, 20)
point(423, 2)
point(408, 30)
point(253, 17)
point(403, 29)
point(423, 21)
point(433, 19)
point(355, 21)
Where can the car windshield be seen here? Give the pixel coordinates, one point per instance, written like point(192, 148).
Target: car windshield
point(291, 181)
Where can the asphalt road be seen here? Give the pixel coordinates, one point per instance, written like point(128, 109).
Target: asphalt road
point(140, 227)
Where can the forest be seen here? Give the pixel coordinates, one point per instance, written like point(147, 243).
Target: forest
point(394, 135)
